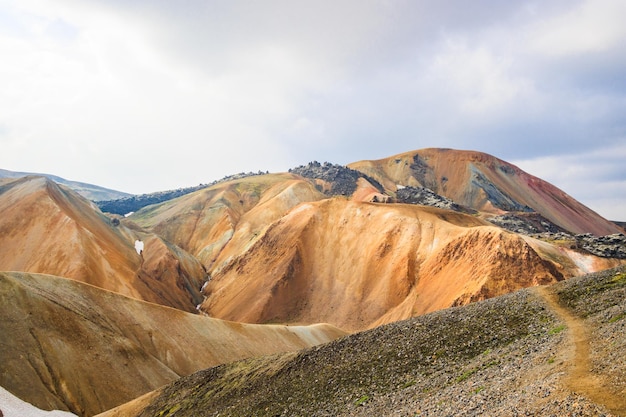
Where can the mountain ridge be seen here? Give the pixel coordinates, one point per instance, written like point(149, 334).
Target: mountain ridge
point(486, 183)
point(89, 191)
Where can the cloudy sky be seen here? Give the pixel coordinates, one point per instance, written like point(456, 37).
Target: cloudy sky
point(148, 95)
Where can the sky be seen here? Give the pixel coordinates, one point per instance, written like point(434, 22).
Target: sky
point(149, 95)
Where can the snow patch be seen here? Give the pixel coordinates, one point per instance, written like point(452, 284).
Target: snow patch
point(130, 213)
point(139, 246)
point(12, 406)
point(400, 187)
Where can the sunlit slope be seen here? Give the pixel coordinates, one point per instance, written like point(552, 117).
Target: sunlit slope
point(222, 221)
point(357, 265)
point(68, 345)
point(485, 183)
point(47, 228)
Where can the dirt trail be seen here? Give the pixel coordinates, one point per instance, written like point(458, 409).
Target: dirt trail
point(579, 377)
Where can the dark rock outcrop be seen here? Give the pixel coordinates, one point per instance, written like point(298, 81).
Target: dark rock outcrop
point(525, 223)
point(342, 180)
point(427, 197)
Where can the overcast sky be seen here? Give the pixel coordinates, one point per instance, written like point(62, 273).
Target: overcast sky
point(148, 95)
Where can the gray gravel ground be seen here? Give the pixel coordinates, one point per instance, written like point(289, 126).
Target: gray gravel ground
point(507, 356)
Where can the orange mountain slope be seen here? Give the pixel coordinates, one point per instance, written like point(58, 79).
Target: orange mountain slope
point(71, 346)
point(47, 228)
point(222, 221)
point(357, 265)
point(484, 183)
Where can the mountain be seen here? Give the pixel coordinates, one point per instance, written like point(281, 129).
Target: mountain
point(358, 265)
point(47, 228)
point(484, 183)
point(72, 346)
point(89, 191)
point(557, 350)
point(298, 249)
point(97, 310)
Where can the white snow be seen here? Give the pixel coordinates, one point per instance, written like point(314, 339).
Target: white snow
point(12, 406)
point(138, 246)
point(129, 213)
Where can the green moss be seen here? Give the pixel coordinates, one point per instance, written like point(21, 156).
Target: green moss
point(477, 390)
point(362, 400)
point(617, 318)
point(557, 329)
point(619, 279)
point(170, 411)
point(408, 384)
point(466, 375)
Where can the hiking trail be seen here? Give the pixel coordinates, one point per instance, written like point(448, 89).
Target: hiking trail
point(576, 352)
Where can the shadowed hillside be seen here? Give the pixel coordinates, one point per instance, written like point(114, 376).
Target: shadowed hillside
point(70, 346)
point(519, 354)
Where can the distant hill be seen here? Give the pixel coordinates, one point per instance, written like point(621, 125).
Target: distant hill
point(89, 191)
point(130, 204)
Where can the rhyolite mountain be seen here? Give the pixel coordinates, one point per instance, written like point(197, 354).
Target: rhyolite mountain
point(47, 228)
point(318, 243)
point(484, 183)
point(355, 247)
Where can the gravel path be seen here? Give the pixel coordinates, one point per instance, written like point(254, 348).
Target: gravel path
point(579, 377)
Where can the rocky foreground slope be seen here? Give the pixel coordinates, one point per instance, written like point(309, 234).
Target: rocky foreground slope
point(557, 350)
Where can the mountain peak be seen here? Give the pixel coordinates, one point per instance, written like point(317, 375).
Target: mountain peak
point(485, 183)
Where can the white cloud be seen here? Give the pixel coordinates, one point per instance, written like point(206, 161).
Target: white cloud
point(590, 26)
point(142, 96)
point(481, 81)
point(596, 178)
